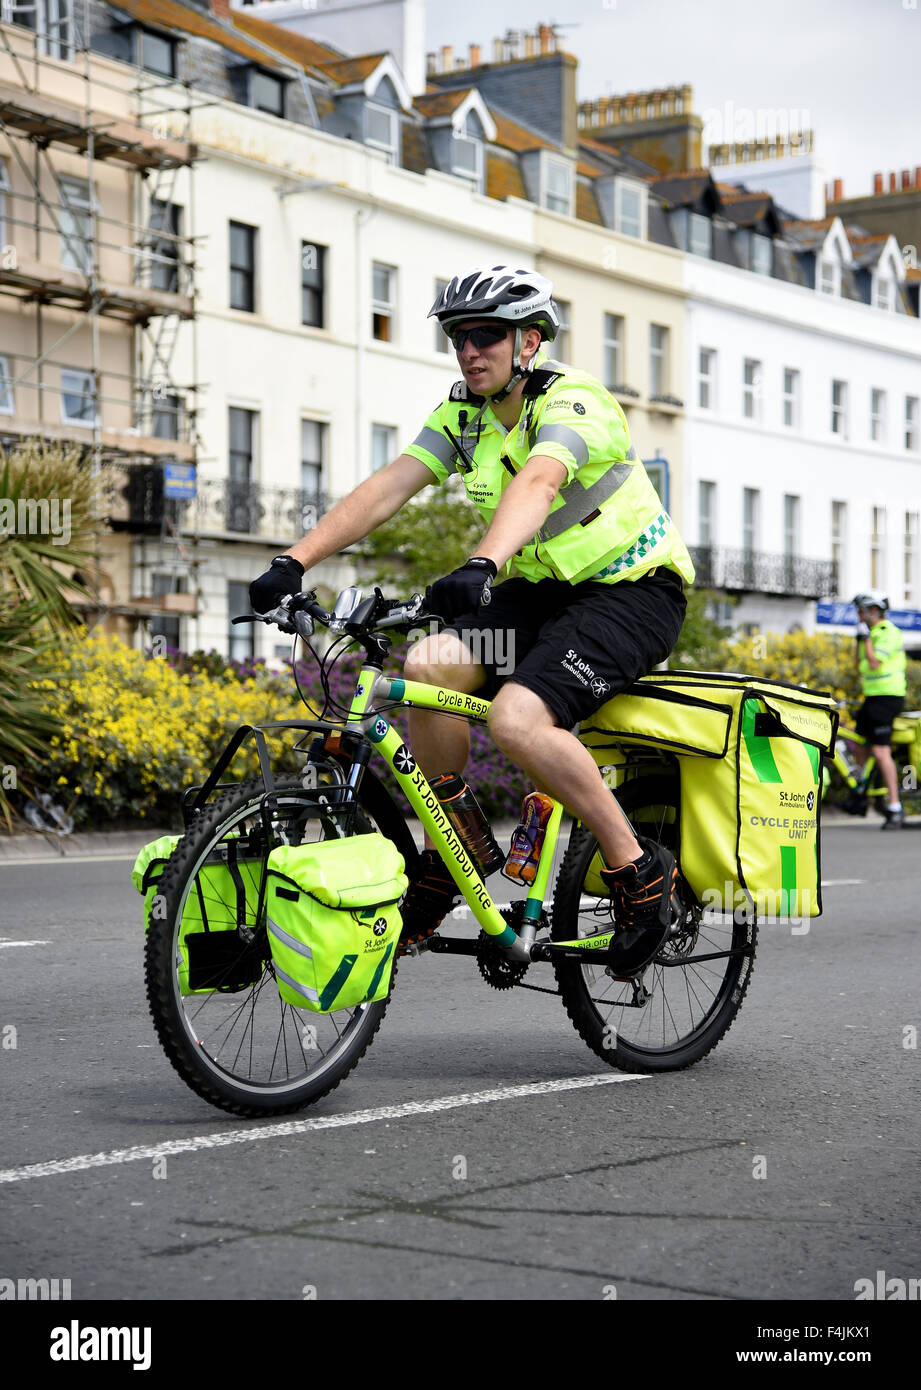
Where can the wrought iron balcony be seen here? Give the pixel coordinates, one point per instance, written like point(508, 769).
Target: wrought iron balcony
point(251, 509)
point(137, 502)
point(756, 571)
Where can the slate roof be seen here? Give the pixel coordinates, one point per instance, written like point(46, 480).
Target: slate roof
point(167, 15)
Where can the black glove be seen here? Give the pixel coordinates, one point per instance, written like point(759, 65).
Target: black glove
point(283, 577)
point(463, 590)
point(862, 631)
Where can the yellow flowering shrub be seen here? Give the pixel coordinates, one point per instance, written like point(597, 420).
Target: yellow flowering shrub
point(824, 661)
point(132, 733)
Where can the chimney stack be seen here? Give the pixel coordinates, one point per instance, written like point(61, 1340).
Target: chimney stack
point(892, 186)
point(877, 183)
point(837, 191)
point(474, 55)
point(918, 176)
point(906, 178)
point(545, 37)
point(447, 58)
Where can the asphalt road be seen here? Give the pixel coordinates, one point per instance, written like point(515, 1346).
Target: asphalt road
point(783, 1167)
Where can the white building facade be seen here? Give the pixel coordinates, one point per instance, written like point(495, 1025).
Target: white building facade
point(803, 447)
point(302, 225)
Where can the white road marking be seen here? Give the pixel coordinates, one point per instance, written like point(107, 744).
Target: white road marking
point(82, 1162)
point(839, 882)
point(5, 942)
point(14, 860)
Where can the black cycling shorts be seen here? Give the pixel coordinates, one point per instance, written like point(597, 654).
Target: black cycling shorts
point(875, 718)
point(574, 645)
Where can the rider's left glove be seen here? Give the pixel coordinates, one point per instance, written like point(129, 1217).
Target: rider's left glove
point(862, 631)
point(283, 577)
point(463, 590)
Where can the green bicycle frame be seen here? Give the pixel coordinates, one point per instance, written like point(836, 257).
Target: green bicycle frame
point(389, 743)
point(844, 770)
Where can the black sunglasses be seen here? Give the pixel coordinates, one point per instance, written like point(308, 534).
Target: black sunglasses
point(484, 335)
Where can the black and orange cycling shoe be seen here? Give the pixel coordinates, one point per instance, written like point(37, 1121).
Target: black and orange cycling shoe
point(431, 895)
point(643, 901)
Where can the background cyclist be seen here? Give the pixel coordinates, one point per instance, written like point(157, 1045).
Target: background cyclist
point(880, 659)
point(597, 599)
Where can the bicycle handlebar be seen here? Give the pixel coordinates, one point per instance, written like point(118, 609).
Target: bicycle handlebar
point(296, 613)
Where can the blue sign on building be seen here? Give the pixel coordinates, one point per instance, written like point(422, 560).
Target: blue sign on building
point(179, 481)
point(845, 615)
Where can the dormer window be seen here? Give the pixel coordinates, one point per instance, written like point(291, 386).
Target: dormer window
point(266, 92)
point(381, 130)
point(762, 254)
point(556, 186)
point(156, 53)
point(255, 87)
point(467, 151)
point(629, 208)
point(700, 235)
point(884, 297)
point(693, 232)
point(829, 277)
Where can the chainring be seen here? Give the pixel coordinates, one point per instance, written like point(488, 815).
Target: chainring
point(497, 970)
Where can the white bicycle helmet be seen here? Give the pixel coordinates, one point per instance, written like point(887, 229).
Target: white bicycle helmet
point(520, 298)
point(872, 598)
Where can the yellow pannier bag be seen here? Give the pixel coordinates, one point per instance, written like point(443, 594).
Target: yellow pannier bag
point(906, 738)
point(749, 755)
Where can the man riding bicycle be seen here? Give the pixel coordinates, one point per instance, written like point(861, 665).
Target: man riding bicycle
point(544, 453)
point(880, 659)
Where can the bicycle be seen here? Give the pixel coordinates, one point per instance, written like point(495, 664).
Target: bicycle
point(243, 1049)
point(863, 783)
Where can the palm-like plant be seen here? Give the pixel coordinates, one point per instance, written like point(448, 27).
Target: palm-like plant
point(48, 511)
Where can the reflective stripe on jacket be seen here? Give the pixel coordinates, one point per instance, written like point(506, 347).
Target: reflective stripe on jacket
point(888, 678)
point(607, 521)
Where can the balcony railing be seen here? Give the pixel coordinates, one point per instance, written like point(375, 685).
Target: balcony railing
point(251, 509)
point(756, 571)
point(136, 500)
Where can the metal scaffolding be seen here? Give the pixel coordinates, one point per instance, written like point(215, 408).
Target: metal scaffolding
point(109, 274)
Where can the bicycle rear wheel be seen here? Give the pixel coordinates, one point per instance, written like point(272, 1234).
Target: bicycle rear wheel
point(235, 1042)
point(686, 1003)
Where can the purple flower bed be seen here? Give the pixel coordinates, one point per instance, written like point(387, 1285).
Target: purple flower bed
point(213, 664)
point(499, 785)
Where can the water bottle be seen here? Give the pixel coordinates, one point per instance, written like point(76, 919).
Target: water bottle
point(463, 811)
point(528, 839)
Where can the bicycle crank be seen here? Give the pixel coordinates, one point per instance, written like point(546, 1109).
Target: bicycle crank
point(494, 964)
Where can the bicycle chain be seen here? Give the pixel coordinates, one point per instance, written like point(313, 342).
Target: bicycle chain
point(497, 970)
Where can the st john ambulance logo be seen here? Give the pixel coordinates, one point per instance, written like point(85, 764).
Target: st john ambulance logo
point(599, 687)
point(404, 760)
point(380, 926)
point(810, 801)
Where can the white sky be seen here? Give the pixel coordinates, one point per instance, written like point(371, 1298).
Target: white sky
point(848, 69)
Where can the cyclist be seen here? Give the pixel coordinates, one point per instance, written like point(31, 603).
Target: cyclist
point(880, 659)
point(544, 452)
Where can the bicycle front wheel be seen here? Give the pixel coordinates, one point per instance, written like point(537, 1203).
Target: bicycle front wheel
point(692, 990)
point(225, 1027)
